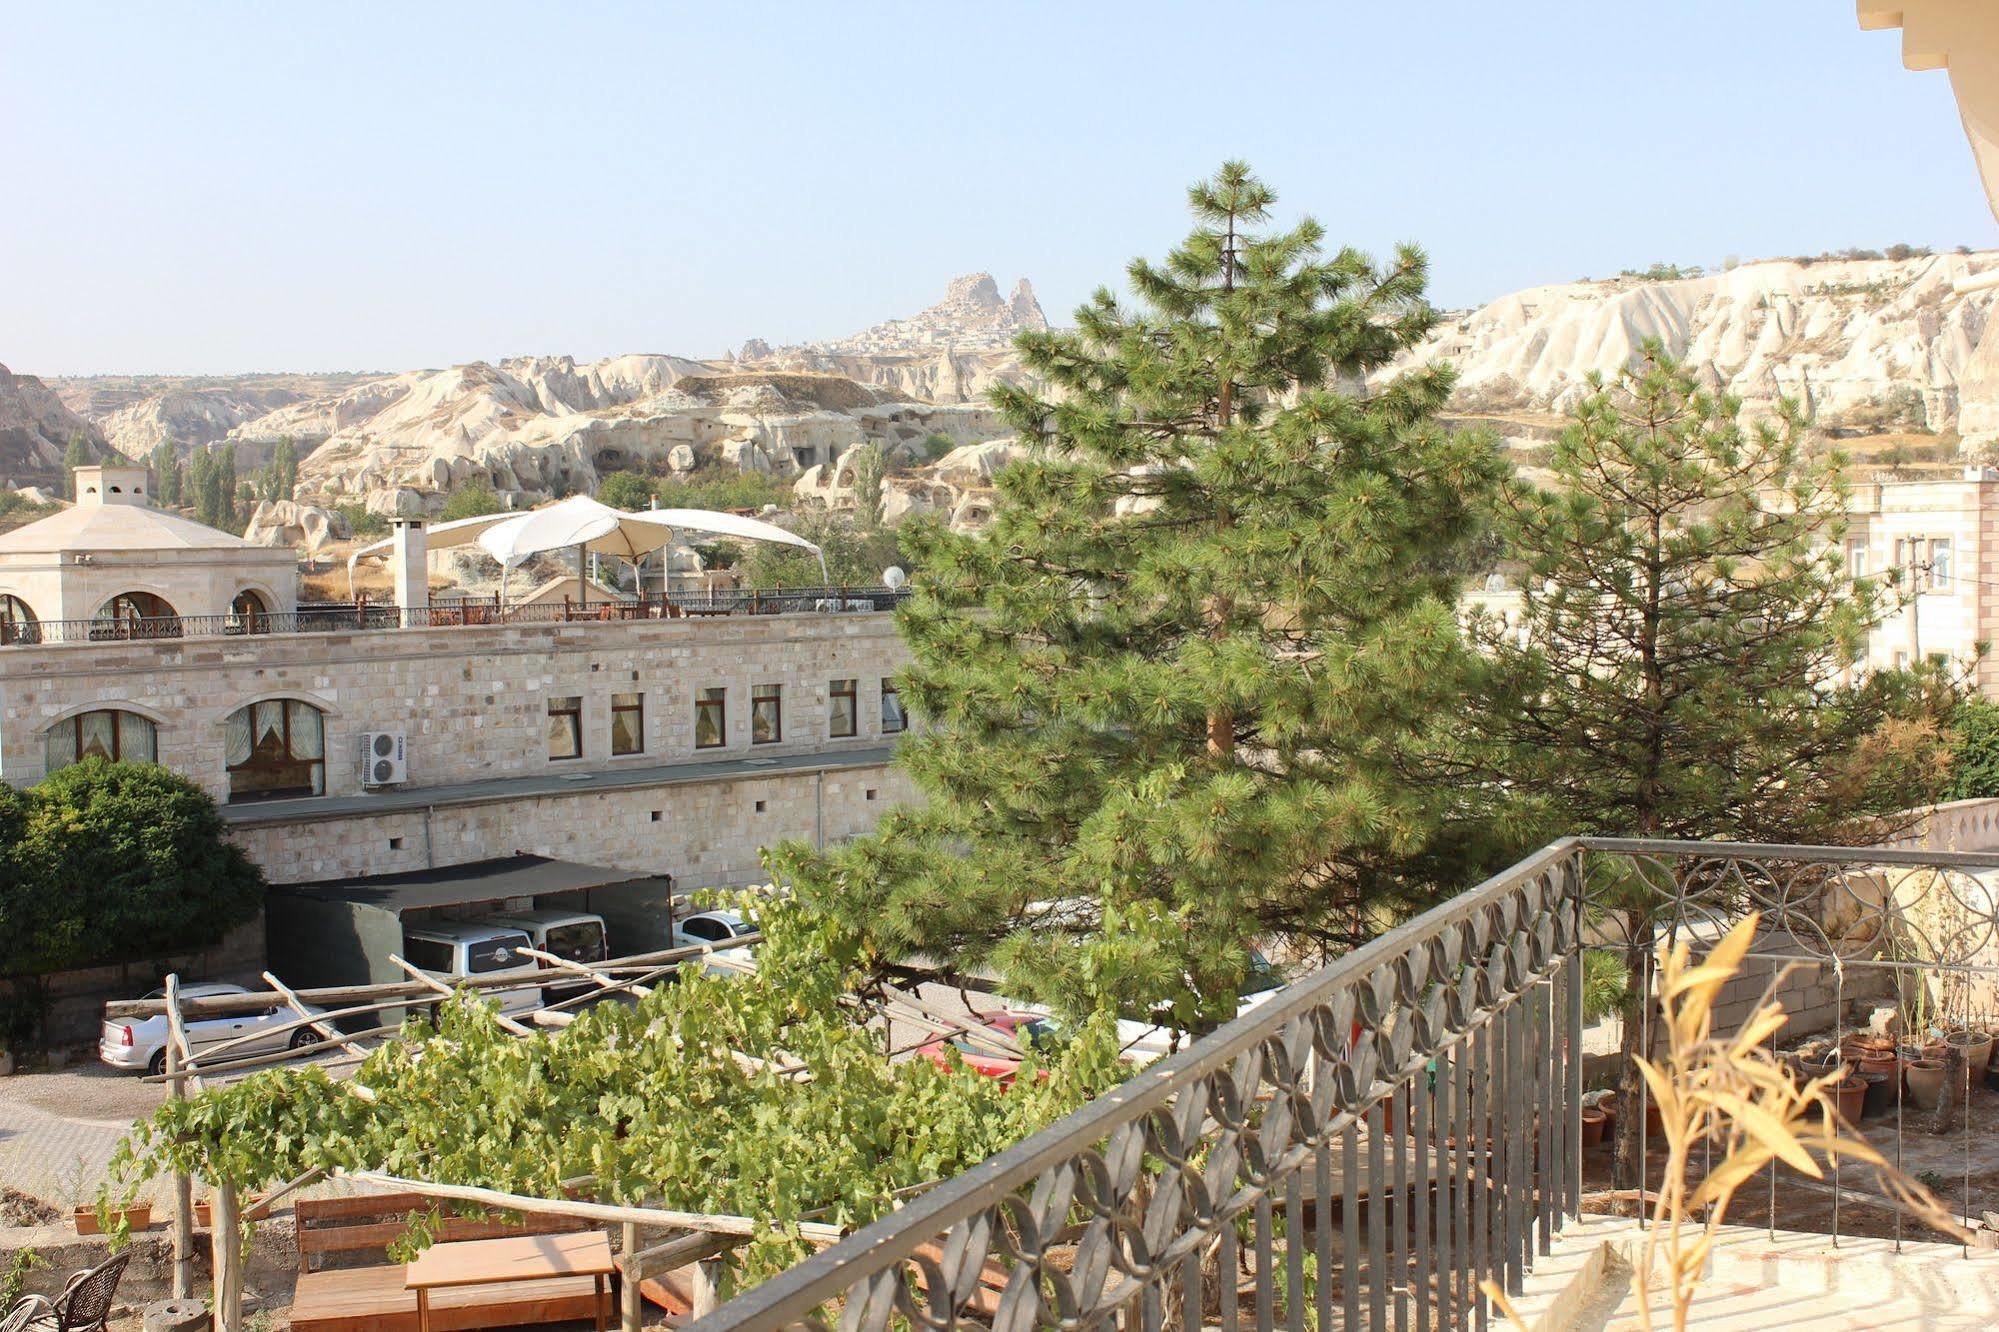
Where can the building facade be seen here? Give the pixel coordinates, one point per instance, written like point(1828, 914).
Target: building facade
point(1938, 540)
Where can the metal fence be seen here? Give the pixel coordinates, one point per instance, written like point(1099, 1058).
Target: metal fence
point(1367, 1147)
point(350, 617)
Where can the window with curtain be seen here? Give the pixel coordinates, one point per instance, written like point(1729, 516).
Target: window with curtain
point(893, 717)
point(711, 723)
point(275, 750)
point(628, 724)
point(766, 714)
point(843, 717)
point(107, 733)
point(565, 728)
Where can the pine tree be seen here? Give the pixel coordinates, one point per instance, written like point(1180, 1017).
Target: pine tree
point(870, 478)
point(1684, 661)
point(77, 454)
point(1185, 691)
point(225, 507)
point(176, 489)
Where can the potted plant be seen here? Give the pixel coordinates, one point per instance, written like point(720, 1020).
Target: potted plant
point(1973, 1043)
point(1593, 1122)
point(1924, 1077)
point(133, 1216)
point(1849, 1097)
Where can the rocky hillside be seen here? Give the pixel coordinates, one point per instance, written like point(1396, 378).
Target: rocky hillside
point(35, 429)
point(136, 412)
point(1863, 345)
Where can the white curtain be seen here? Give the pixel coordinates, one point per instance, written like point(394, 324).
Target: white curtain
point(100, 735)
point(236, 738)
point(61, 744)
point(308, 732)
point(138, 742)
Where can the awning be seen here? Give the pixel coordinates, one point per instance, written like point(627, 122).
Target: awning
point(468, 884)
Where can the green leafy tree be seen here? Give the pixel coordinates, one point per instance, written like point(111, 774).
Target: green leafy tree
point(286, 462)
point(854, 557)
point(162, 463)
point(625, 490)
point(723, 488)
point(226, 487)
point(176, 485)
point(1684, 663)
point(77, 454)
point(1193, 677)
point(1974, 750)
point(111, 862)
point(473, 499)
point(203, 481)
point(364, 523)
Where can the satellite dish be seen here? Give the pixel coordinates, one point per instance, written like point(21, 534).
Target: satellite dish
point(894, 579)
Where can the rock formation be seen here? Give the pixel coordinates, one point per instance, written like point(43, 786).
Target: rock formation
point(287, 523)
point(137, 412)
point(1861, 345)
point(35, 430)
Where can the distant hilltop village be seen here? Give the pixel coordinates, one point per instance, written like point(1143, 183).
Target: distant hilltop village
point(973, 316)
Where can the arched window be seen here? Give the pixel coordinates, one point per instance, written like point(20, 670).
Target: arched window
point(135, 615)
point(275, 750)
point(17, 622)
point(108, 733)
point(249, 613)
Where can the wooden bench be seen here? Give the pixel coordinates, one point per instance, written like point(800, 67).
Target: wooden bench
point(373, 1298)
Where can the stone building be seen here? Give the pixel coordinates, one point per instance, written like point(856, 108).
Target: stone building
point(111, 565)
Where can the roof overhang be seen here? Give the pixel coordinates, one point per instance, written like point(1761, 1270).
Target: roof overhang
point(471, 884)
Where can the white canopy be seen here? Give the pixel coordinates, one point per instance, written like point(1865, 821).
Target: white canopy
point(583, 524)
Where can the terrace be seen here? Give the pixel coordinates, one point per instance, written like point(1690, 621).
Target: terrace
point(1368, 1147)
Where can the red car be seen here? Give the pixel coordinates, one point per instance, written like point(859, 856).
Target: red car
point(1027, 1028)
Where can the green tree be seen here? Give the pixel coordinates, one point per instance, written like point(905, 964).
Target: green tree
point(472, 499)
point(202, 487)
point(1186, 689)
point(77, 454)
point(162, 463)
point(285, 461)
point(854, 558)
point(225, 508)
point(174, 485)
point(1974, 750)
point(870, 465)
point(1683, 663)
point(110, 862)
point(625, 490)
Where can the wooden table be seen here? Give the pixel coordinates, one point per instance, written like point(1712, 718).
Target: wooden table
point(523, 1258)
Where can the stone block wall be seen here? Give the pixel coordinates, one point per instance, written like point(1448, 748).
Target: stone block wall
point(474, 700)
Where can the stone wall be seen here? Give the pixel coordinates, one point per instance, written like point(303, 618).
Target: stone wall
point(704, 833)
point(474, 700)
point(76, 999)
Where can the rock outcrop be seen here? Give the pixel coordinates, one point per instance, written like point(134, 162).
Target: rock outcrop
point(288, 523)
point(35, 430)
point(1860, 344)
point(137, 412)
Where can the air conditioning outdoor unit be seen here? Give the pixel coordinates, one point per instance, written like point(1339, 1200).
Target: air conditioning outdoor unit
point(384, 758)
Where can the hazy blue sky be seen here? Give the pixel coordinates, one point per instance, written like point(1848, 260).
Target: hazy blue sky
point(289, 186)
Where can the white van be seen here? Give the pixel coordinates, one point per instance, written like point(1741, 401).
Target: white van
point(574, 936)
point(453, 950)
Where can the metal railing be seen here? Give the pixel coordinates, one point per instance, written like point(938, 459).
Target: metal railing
point(349, 617)
point(1368, 1146)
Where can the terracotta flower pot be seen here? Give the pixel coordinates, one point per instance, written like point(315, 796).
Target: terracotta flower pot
point(1875, 1059)
point(1974, 1044)
point(1594, 1121)
point(1849, 1097)
point(138, 1217)
point(1924, 1078)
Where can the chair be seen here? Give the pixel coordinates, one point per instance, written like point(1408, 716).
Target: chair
point(83, 1306)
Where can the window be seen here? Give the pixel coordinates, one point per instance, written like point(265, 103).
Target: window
point(711, 721)
point(628, 723)
point(1901, 661)
point(766, 714)
point(578, 941)
point(893, 717)
point(135, 615)
point(432, 955)
point(565, 728)
point(248, 613)
point(705, 929)
point(1856, 557)
point(275, 750)
point(844, 718)
point(1940, 564)
point(107, 734)
point(17, 622)
point(496, 954)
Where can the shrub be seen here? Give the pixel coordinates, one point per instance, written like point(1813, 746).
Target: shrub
point(625, 490)
point(364, 523)
point(108, 862)
point(719, 488)
point(1974, 757)
point(471, 500)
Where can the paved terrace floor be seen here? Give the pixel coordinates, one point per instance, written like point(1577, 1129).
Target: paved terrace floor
point(516, 788)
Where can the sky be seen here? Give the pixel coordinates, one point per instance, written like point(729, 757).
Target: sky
point(226, 188)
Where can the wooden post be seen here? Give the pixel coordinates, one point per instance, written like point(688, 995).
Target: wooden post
point(183, 1286)
point(630, 1306)
point(226, 1235)
point(704, 1288)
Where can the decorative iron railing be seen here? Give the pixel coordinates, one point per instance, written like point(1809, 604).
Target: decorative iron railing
point(1367, 1147)
point(349, 617)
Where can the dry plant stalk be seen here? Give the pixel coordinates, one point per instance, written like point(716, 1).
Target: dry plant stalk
point(1733, 1092)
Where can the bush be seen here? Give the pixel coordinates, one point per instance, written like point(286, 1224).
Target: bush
point(110, 862)
point(718, 488)
point(364, 523)
point(625, 490)
point(471, 500)
point(1974, 750)
point(853, 558)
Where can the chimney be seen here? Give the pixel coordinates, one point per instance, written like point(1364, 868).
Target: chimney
point(411, 568)
point(107, 484)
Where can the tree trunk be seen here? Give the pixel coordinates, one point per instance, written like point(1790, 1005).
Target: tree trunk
point(226, 1234)
point(1627, 1167)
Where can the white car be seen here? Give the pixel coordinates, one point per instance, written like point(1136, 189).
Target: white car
point(714, 927)
point(141, 1043)
point(1143, 1043)
point(453, 951)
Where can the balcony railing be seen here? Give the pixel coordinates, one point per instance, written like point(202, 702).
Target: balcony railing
point(1368, 1146)
point(350, 617)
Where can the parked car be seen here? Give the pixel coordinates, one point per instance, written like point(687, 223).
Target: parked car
point(454, 951)
point(574, 936)
point(1028, 1028)
point(714, 927)
point(141, 1043)
point(1143, 1042)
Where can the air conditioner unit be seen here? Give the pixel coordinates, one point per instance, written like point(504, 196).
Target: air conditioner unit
point(384, 758)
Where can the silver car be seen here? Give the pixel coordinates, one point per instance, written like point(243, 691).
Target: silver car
point(141, 1043)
